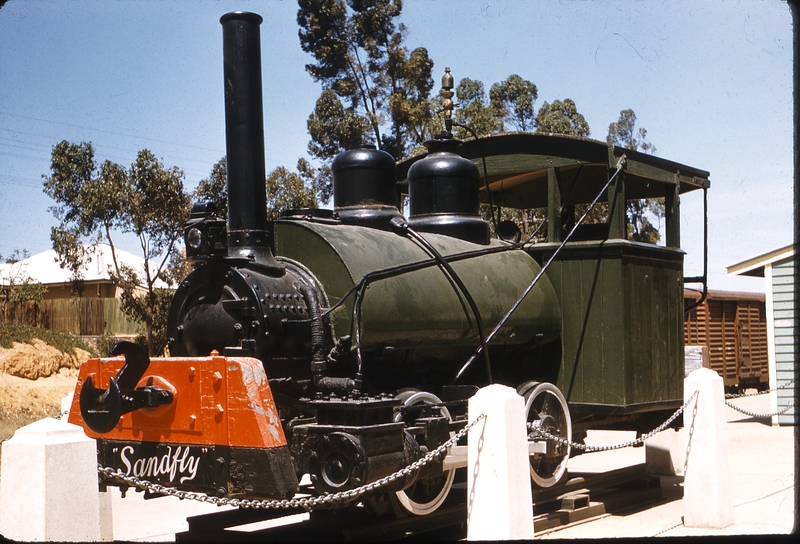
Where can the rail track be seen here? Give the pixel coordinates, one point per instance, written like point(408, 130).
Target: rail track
point(582, 496)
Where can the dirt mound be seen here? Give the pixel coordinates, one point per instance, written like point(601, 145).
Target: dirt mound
point(33, 380)
point(39, 398)
point(38, 360)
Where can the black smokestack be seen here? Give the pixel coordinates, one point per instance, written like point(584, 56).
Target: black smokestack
point(248, 236)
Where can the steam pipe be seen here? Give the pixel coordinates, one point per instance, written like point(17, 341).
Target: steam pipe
point(248, 234)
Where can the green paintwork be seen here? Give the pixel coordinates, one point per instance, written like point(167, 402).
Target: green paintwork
point(621, 301)
point(421, 308)
point(622, 321)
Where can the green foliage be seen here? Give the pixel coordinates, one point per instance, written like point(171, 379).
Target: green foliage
point(15, 285)
point(528, 220)
point(15, 257)
point(156, 205)
point(623, 133)
point(150, 306)
point(408, 75)
point(72, 254)
point(147, 199)
point(319, 179)
point(215, 187)
point(562, 117)
point(62, 341)
point(334, 128)
point(103, 344)
point(374, 88)
point(512, 100)
point(27, 289)
point(473, 111)
point(640, 228)
point(286, 191)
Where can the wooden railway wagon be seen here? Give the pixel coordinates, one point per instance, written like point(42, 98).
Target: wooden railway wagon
point(621, 362)
point(733, 326)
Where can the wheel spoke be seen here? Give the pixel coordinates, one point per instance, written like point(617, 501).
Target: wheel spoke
point(431, 493)
point(545, 403)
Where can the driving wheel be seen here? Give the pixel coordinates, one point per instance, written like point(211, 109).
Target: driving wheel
point(546, 410)
point(425, 495)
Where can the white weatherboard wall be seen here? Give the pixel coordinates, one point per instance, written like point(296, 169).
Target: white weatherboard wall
point(48, 486)
point(782, 282)
point(778, 270)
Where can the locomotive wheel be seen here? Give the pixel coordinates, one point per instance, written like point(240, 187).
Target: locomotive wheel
point(424, 495)
point(546, 408)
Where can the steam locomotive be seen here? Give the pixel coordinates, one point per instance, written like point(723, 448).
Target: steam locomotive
point(343, 344)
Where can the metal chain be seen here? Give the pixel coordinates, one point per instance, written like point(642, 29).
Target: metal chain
point(760, 416)
point(534, 426)
point(305, 503)
point(739, 395)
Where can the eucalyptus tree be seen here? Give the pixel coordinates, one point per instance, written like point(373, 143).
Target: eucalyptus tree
point(375, 90)
point(214, 188)
point(562, 117)
point(624, 133)
point(474, 111)
point(95, 204)
point(512, 101)
point(284, 189)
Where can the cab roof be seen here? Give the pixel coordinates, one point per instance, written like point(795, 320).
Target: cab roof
point(517, 165)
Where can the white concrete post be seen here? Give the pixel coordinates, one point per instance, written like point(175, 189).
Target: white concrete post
point(48, 486)
point(500, 505)
point(707, 494)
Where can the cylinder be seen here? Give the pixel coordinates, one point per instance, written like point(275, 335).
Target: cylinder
point(244, 136)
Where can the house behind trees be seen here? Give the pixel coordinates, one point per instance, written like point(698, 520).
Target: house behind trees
point(90, 307)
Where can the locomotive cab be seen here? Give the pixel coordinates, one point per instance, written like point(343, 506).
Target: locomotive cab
point(621, 300)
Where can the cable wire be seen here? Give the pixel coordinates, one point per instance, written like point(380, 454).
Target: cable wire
point(620, 164)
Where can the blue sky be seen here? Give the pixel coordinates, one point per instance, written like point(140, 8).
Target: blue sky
point(709, 80)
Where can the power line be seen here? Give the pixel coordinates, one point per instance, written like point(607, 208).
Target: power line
point(276, 161)
point(21, 183)
point(107, 131)
point(99, 146)
point(20, 156)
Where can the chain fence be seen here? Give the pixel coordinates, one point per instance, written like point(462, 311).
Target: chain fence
point(760, 416)
point(757, 393)
point(534, 426)
point(756, 415)
point(307, 503)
